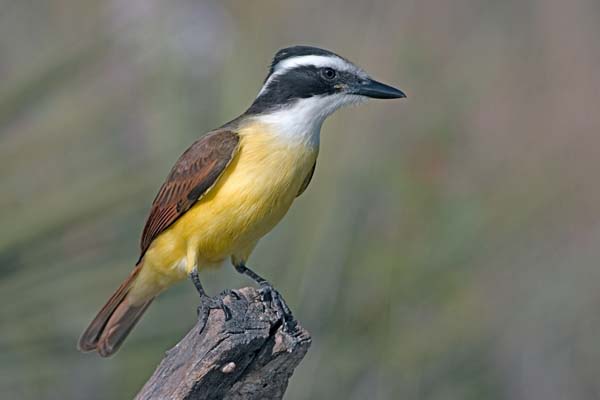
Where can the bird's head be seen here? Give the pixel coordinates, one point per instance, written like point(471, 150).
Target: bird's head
point(307, 84)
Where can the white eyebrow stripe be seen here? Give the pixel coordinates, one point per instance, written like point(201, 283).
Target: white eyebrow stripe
point(312, 60)
point(317, 61)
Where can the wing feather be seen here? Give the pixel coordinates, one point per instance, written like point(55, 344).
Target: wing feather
point(196, 171)
point(307, 179)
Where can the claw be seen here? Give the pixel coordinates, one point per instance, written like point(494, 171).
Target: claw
point(284, 314)
point(211, 303)
point(231, 293)
point(269, 294)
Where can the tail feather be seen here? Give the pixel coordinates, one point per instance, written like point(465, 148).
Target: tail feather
point(119, 325)
point(114, 321)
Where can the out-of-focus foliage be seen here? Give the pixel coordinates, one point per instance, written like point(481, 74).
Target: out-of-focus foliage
point(447, 247)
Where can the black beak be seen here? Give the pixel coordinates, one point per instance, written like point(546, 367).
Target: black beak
point(377, 90)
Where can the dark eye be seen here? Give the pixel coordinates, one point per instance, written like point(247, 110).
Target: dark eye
point(328, 73)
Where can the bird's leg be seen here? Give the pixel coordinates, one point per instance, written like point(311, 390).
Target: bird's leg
point(269, 293)
point(206, 302)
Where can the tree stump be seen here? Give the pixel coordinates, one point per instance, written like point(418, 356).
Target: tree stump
point(249, 356)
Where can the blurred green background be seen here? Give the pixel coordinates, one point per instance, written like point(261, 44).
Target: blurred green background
point(447, 247)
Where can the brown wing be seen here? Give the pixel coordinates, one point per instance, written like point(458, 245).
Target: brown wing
point(307, 179)
point(193, 174)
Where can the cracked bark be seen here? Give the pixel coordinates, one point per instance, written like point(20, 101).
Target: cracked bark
point(247, 357)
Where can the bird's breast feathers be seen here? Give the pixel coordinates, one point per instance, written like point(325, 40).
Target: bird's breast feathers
point(248, 200)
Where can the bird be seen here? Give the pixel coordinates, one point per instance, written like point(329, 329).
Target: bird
point(234, 185)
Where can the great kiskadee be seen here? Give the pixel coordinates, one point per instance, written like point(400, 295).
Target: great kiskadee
point(233, 185)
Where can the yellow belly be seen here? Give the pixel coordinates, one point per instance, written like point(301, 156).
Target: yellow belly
point(249, 199)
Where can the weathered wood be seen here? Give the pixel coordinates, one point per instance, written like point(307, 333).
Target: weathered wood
point(246, 357)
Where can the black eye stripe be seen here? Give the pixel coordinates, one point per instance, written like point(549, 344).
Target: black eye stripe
point(300, 82)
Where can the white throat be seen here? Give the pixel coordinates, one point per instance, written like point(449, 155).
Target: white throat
point(300, 122)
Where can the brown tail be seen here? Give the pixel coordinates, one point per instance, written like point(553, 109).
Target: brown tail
point(114, 321)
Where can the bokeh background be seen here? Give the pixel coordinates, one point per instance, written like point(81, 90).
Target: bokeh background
point(447, 247)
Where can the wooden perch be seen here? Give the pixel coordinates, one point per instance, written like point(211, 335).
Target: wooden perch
point(249, 356)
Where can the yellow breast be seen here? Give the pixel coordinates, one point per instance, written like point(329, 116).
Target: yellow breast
point(249, 199)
